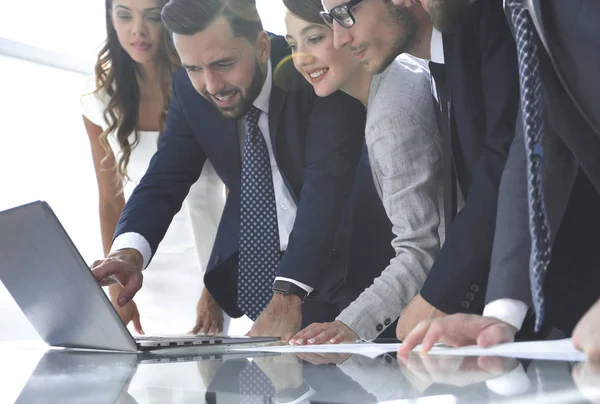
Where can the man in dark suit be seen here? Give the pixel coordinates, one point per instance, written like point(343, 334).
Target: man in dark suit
point(566, 36)
point(280, 228)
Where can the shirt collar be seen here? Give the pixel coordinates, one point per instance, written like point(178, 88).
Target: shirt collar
point(262, 101)
point(437, 47)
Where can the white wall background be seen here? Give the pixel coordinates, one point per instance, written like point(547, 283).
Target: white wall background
point(44, 151)
point(76, 27)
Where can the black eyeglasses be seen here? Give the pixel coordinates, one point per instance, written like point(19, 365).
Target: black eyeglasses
point(341, 14)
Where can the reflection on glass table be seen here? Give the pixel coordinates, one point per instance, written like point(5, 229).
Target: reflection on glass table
point(69, 376)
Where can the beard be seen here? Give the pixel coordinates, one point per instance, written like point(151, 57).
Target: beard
point(445, 14)
point(407, 30)
point(247, 95)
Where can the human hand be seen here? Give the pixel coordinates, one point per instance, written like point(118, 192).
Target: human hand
point(417, 310)
point(586, 376)
point(209, 316)
point(129, 312)
point(586, 334)
point(334, 332)
point(124, 267)
point(425, 370)
point(281, 318)
point(459, 330)
point(284, 371)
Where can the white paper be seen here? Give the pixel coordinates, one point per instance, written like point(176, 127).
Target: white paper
point(365, 349)
point(558, 350)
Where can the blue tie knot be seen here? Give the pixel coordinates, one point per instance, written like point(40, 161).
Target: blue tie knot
point(252, 116)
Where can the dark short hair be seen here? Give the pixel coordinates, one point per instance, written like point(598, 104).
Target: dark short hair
point(188, 17)
point(307, 10)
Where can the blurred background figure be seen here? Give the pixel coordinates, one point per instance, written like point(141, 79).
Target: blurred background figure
point(124, 108)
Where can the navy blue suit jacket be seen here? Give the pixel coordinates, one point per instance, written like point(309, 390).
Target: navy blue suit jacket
point(481, 66)
point(316, 142)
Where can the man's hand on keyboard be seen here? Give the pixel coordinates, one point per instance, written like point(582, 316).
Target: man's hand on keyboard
point(123, 267)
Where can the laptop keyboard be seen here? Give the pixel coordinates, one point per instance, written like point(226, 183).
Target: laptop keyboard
point(176, 340)
point(159, 338)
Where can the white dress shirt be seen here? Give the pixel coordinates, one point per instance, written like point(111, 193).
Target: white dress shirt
point(437, 47)
point(286, 207)
point(436, 53)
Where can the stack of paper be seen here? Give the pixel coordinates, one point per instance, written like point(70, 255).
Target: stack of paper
point(561, 350)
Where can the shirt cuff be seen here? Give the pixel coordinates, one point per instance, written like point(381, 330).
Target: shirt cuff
point(307, 288)
point(510, 384)
point(135, 241)
point(510, 311)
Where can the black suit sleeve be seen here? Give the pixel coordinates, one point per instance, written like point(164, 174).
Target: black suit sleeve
point(174, 168)
point(333, 142)
point(459, 276)
point(509, 274)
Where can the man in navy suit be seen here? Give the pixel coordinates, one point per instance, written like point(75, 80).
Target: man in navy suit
point(566, 35)
point(287, 157)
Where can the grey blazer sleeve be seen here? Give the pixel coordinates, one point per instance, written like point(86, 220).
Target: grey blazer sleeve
point(509, 272)
point(405, 154)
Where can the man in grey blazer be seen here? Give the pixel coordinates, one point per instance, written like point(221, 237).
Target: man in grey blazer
point(568, 41)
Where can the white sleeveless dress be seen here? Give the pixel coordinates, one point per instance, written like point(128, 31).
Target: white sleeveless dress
point(174, 279)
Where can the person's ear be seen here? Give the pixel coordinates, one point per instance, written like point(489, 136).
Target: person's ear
point(263, 47)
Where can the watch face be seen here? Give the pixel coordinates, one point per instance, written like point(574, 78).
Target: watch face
point(287, 288)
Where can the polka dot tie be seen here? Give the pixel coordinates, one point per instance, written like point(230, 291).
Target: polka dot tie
point(255, 386)
point(259, 233)
point(532, 100)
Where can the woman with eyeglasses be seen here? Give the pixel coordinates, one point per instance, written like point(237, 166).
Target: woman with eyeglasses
point(404, 149)
point(124, 109)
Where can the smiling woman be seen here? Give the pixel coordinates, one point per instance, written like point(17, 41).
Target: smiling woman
point(314, 54)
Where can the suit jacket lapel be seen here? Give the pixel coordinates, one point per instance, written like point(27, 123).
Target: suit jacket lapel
point(448, 40)
point(450, 191)
point(228, 131)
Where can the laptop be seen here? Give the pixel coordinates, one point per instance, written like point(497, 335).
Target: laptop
point(51, 283)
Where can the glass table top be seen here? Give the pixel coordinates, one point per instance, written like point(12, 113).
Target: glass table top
point(41, 375)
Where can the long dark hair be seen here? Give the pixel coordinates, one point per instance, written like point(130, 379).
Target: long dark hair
point(307, 10)
point(116, 76)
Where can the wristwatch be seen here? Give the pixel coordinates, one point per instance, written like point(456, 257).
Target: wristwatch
point(288, 288)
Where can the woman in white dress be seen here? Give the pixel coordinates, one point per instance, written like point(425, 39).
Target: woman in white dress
point(124, 108)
